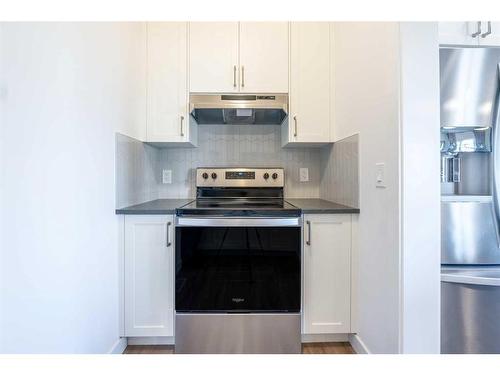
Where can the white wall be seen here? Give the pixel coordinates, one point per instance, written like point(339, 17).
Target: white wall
point(386, 85)
point(366, 101)
point(420, 188)
point(67, 89)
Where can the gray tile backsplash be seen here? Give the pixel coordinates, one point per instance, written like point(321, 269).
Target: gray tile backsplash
point(239, 145)
point(136, 172)
point(339, 180)
point(333, 169)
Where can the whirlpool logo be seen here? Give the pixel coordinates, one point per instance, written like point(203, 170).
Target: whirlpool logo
point(238, 300)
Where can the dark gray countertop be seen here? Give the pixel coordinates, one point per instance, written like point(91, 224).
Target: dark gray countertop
point(321, 206)
point(168, 206)
point(156, 207)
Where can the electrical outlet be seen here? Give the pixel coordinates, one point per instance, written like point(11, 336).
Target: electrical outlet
point(167, 176)
point(304, 174)
point(380, 175)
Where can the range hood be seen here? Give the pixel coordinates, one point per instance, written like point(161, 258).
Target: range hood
point(238, 109)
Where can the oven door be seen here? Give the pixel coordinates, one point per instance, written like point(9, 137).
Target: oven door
point(238, 265)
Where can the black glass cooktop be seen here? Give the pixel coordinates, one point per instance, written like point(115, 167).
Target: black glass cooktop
point(239, 207)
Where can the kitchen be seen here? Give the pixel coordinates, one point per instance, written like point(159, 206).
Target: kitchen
point(228, 187)
point(134, 128)
point(242, 121)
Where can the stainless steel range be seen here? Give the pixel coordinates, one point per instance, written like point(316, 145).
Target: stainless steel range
point(238, 265)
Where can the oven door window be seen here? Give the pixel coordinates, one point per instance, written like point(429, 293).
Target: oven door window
point(250, 269)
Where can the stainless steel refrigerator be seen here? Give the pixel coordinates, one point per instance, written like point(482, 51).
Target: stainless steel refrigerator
point(470, 209)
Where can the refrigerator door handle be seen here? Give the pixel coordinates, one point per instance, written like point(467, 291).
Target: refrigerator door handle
point(496, 165)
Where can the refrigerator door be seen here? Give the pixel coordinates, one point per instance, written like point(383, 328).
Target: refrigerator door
point(469, 232)
point(470, 311)
point(468, 86)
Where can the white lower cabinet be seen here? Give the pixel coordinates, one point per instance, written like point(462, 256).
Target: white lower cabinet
point(149, 275)
point(327, 273)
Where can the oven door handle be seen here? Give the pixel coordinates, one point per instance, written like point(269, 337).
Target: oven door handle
point(190, 221)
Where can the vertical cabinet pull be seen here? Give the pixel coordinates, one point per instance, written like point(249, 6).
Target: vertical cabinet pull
point(308, 242)
point(242, 76)
point(484, 35)
point(295, 126)
point(478, 32)
point(234, 76)
point(169, 243)
point(182, 126)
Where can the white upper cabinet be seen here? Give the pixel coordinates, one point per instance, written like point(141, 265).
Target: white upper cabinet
point(167, 90)
point(264, 57)
point(250, 57)
point(490, 34)
point(459, 33)
point(149, 275)
point(213, 57)
point(477, 33)
point(310, 81)
point(327, 274)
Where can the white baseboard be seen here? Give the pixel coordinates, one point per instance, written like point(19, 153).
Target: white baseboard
point(119, 346)
point(166, 340)
point(331, 337)
point(358, 345)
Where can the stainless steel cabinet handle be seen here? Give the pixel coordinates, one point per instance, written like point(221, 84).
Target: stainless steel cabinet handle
point(169, 224)
point(295, 125)
point(242, 76)
point(308, 242)
point(484, 35)
point(234, 76)
point(478, 32)
point(182, 126)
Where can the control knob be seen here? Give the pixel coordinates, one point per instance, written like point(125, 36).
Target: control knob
point(214, 175)
point(266, 176)
point(275, 176)
point(204, 175)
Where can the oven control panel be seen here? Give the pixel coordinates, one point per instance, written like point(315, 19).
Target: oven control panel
point(240, 177)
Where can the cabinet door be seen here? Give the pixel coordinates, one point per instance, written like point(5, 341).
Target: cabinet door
point(213, 56)
point(458, 33)
point(167, 114)
point(149, 276)
point(309, 119)
point(264, 57)
point(327, 275)
point(493, 38)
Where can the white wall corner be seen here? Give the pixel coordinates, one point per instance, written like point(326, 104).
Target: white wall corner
point(376, 87)
point(420, 189)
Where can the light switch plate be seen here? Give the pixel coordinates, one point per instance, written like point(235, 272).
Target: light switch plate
point(380, 175)
point(167, 176)
point(304, 174)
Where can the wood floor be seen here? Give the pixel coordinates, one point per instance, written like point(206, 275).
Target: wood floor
point(328, 348)
point(312, 348)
